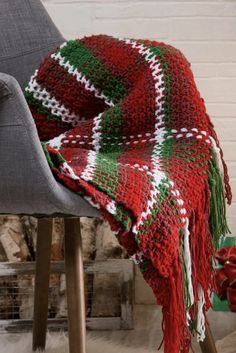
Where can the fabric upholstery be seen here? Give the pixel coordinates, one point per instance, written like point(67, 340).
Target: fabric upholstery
point(27, 185)
point(27, 34)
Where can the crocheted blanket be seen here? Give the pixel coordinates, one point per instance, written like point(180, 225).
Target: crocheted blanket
point(123, 125)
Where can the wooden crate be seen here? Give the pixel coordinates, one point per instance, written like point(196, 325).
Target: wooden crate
point(114, 267)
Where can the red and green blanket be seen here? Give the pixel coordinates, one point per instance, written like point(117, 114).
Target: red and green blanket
point(123, 125)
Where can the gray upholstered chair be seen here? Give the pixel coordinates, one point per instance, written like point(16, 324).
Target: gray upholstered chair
point(27, 185)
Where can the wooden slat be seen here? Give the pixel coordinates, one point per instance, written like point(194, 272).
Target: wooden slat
point(108, 266)
point(42, 276)
point(123, 266)
point(97, 323)
point(208, 345)
point(75, 286)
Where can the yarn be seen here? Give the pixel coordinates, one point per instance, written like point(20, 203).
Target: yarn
point(122, 124)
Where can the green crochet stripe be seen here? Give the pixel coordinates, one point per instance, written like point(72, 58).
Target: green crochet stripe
point(164, 150)
point(218, 222)
point(106, 174)
point(167, 151)
point(107, 160)
point(109, 152)
point(43, 110)
point(123, 217)
point(107, 167)
point(47, 155)
point(94, 70)
point(54, 160)
point(111, 128)
point(163, 193)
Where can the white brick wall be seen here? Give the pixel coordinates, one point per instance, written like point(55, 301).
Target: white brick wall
point(204, 30)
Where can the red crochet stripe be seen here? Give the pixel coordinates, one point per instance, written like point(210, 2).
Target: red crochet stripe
point(68, 90)
point(47, 129)
point(121, 59)
point(133, 106)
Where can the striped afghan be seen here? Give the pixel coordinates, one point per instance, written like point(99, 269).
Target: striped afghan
point(123, 125)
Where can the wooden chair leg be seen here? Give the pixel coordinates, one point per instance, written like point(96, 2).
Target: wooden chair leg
point(75, 286)
point(42, 273)
point(208, 345)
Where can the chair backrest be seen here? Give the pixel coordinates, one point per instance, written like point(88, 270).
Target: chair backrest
point(27, 34)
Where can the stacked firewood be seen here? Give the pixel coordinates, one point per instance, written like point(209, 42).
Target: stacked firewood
point(18, 244)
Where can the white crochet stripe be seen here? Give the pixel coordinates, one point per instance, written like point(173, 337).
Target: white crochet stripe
point(184, 132)
point(63, 45)
point(200, 316)
point(89, 170)
point(157, 75)
point(56, 142)
point(51, 103)
point(159, 175)
point(137, 257)
point(180, 202)
point(142, 168)
point(158, 78)
point(81, 78)
point(187, 260)
point(92, 203)
point(97, 132)
point(146, 137)
point(67, 170)
point(160, 130)
point(88, 174)
point(111, 207)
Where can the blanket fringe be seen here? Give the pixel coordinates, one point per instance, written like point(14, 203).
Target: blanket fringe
point(201, 320)
point(217, 220)
point(219, 153)
point(189, 288)
point(169, 294)
point(207, 224)
point(202, 252)
point(177, 336)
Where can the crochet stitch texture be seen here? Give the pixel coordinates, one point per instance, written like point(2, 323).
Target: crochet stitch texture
point(122, 124)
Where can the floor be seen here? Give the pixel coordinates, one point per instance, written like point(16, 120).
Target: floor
point(144, 338)
point(147, 332)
